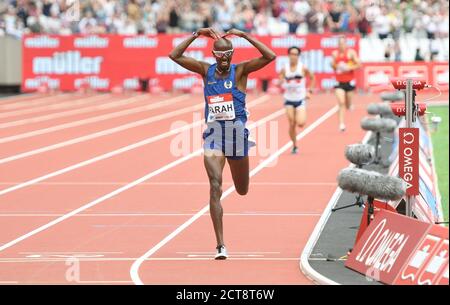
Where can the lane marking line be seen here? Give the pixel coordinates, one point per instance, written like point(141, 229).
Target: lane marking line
point(199, 183)
point(126, 259)
point(152, 214)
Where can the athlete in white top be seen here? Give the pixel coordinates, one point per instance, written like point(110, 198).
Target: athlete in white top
point(293, 82)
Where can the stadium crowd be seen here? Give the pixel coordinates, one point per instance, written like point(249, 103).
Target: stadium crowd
point(263, 17)
point(382, 19)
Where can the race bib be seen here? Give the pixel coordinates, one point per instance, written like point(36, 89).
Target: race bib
point(220, 107)
point(342, 67)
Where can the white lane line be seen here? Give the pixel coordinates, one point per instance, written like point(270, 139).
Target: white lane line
point(35, 101)
point(70, 252)
point(17, 97)
point(65, 104)
point(150, 214)
point(117, 152)
point(94, 119)
point(129, 186)
point(88, 109)
point(103, 282)
point(199, 183)
point(127, 259)
point(99, 134)
point(235, 255)
point(235, 252)
point(134, 271)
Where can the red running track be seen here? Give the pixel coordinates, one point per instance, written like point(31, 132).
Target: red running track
point(78, 213)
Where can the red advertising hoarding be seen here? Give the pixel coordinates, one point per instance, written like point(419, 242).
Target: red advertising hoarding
point(385, 245)
point(428, 264)
point(396, 249)
point(107, 61)
point(408, 156)
point(378, 76)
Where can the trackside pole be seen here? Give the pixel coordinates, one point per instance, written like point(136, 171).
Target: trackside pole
point(409, 113)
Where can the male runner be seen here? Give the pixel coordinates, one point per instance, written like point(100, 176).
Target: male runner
point(226, 137)
point(344, 62)
point(295, 94)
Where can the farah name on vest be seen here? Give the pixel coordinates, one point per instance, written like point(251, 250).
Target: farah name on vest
point(221, 107)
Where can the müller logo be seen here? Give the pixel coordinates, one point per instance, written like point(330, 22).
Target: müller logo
point(382, 249)
point(216, 99)
point(91, 42)
point(199, 43)
point(41, 42)
point(69, 62)
point(287, 42)
point(140, 42)
point(332, 42)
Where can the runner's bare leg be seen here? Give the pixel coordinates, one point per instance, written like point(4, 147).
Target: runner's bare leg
point(214, 164)
point(290, 112)
point(241, 174)
point(348, 99)
point(340, 94)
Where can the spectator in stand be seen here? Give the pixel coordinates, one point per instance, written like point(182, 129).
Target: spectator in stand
point(418, 56)
point(334, 18)
point(443, 25)
point(382, 25)
point(363, 24)
point(224, 16)
point(315, 17)
point(87, 23)
point(133, 11)
point(162, 21)
point(430, 22)
point(148, 22)
point(419, 18)
point(397, 51)
point(205, 14)
point(395, 22)
point(261, 22)
point(174, 18)
point(372, 11)
point(248, 15)
point(290, 16)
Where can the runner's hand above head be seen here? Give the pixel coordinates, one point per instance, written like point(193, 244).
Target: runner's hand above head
point(234, 32)
point(209, 32)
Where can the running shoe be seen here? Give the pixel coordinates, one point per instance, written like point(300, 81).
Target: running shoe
point(342, 127)
point(221, 252)
point(294, 150)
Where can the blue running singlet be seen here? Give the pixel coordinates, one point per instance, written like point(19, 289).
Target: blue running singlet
point(225, 115)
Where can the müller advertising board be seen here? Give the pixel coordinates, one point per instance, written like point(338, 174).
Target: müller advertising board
point(106, 61)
